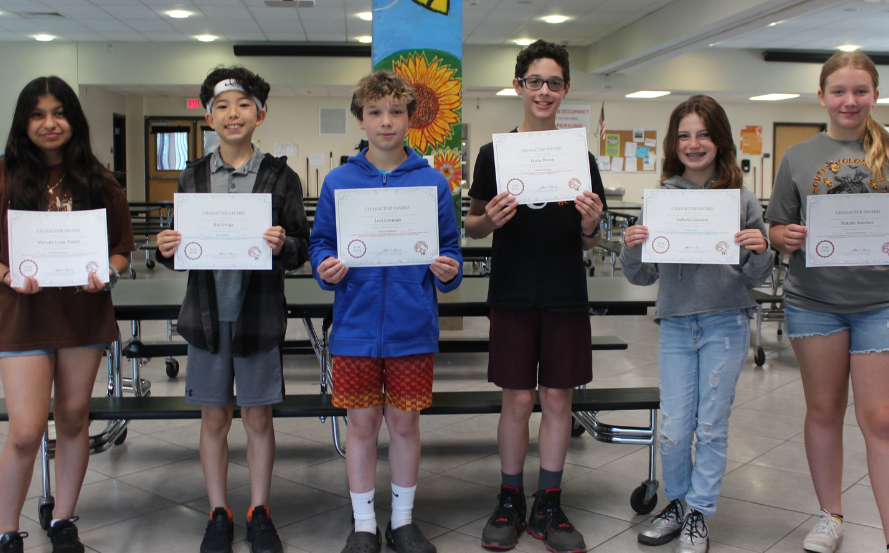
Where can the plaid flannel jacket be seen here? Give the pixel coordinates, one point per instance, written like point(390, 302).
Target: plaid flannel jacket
point(263, 317)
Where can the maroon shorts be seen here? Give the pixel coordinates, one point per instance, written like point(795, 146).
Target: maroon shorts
point(524, 339)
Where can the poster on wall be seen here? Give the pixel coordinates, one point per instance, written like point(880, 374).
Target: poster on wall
point(573, 116)
point(423, 42)
point(751, 140)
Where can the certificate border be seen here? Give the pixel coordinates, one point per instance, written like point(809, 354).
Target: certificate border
point(813, 258)
point(348, 194)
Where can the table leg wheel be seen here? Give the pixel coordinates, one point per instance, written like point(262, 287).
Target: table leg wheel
point(760, 357)
point(122, 438)
point(637, 501)
point(44, 512)
point(150, 264)
point(172, 368)
point(577, 429)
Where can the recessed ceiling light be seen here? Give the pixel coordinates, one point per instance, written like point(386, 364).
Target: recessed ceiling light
point(365, 39)
point(848, 47)
point(773, 23)
point(178, 14)
point(648, 94)
point(555, 19)
point(524, 41)
point(507, 92)
point(44, 38)
point(774, 97)
point(883, 101)
point(206, 38)
point(367, 16)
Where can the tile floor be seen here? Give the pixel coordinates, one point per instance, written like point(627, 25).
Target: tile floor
point(148, 494)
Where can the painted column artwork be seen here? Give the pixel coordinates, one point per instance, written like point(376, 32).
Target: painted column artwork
point(422, 40)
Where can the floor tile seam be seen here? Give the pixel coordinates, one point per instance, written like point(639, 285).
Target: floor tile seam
point(149, 512)
point(740, 408)
point(844, 481)
point(165, 464)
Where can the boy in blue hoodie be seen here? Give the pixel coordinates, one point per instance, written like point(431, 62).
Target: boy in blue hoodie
point(385, 328)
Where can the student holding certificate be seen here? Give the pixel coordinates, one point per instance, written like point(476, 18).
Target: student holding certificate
point(703, 311)
point(385, 318)
point(53, 336)
point(234, 320)
point(837, 316)
point(539, 311)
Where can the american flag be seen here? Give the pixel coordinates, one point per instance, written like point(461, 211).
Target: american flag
point(602, 123)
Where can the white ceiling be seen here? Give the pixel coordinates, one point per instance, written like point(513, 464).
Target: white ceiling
point(864, 23)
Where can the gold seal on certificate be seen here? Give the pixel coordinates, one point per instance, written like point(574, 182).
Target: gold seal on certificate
point(544, 166)
point(691, 226)
point(223, 231)
point(379, 227)
point(847, 229)
point(58, 248)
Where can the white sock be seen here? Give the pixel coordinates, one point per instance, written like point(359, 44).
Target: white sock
point(363, 508)
point(55, 520)
point(402, 505)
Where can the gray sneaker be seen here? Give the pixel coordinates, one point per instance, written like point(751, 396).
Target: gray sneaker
point(694, 537)
point(665, 526)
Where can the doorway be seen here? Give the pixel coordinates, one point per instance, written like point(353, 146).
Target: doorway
point(119, 145)
point(170, 143)
point(788, 134)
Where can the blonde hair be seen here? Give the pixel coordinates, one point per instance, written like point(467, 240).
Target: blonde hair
point(876, 139)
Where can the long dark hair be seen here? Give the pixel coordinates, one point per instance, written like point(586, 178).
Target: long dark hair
point(720, 130)
point(85, 173)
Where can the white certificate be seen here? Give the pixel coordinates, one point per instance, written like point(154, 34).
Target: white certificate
point(544, 166)
point(223, 231)
point(692, 226)
point(58, 248)
point(847, 229)
point(387, 226)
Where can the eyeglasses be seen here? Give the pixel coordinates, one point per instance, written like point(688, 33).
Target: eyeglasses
point(536, 83)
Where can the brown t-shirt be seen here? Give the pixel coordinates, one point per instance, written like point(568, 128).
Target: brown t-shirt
point(61, 317)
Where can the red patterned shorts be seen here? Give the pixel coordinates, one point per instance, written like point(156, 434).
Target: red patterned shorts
point(359, 382)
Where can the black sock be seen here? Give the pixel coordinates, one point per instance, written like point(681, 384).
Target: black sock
point(549, 480)
point(515, 480)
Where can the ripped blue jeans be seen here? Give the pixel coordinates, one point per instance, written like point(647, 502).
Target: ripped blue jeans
point(700, 359)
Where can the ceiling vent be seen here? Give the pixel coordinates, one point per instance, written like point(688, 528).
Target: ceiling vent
point(41, 15)
point(290, 3)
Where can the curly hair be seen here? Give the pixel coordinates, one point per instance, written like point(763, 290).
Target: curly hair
point(253, 84)
point(720, 130)
point(542, 49)
point(85, 173)
point(381, 84)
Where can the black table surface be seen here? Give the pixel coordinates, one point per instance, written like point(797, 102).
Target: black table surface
point(161, 299)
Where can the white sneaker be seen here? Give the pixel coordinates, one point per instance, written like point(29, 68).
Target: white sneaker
point(824, 537)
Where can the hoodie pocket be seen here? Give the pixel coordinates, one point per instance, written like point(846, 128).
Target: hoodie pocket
point(410, 312)
point(358, 313)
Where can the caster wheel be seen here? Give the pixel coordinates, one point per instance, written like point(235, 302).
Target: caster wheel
point(637, 501)
point(760, 357)
point(780, 332)
point(122, 438)
point(150, 264)
point(577, 429)
point(132, 274)
point(44, 513)
point(592, 271)
point(172, 368)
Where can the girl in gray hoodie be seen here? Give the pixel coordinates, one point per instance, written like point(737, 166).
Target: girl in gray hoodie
point(703, 312)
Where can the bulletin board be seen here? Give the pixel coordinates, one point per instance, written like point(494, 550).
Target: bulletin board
point(642, 160)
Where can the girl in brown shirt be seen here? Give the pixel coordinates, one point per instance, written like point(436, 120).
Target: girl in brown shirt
point(53, 336)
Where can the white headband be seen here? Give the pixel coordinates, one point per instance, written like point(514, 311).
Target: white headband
point(231, 84)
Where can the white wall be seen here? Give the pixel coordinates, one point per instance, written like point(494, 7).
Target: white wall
point(100, 106)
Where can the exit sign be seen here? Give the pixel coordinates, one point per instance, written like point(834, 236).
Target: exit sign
point(193, 103)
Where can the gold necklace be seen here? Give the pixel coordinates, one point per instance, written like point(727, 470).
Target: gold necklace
point(50, 189)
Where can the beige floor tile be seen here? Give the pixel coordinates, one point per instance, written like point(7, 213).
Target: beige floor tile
point(771, 487)
point(791, 456)
point(856, 539)
point(751, 526)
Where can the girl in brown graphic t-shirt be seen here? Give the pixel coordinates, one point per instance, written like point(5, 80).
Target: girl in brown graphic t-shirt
point(53, 337)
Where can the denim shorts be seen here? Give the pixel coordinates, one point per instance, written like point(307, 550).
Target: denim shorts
point(868, 330)
point(47, 351)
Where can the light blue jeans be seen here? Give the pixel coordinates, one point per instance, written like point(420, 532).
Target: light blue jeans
point(700, 359)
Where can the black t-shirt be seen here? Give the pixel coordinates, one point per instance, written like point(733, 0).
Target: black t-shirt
point(537, 257)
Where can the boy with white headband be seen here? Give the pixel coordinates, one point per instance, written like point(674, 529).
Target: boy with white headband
point(234, 321)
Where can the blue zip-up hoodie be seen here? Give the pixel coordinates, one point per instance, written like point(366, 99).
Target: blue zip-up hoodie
point(384, 311)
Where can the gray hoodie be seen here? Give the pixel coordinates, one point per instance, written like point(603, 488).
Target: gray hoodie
point(695, 289)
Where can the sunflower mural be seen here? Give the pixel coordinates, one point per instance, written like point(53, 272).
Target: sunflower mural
point(421, 40)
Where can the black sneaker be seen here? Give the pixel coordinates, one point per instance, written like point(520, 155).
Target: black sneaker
point(11, 542)
point(548, 522)
point(508, 521)
point(220, 532)
point(261, 532)
point(63, 536)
